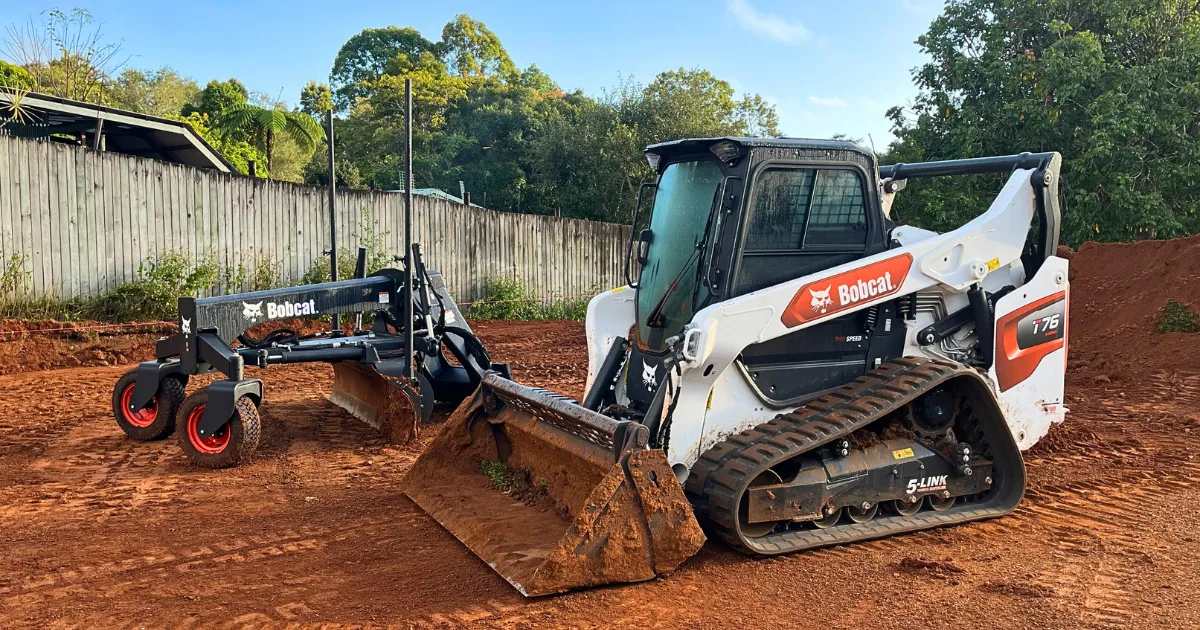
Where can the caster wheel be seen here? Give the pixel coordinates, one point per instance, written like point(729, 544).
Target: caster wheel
point(231, 444)
point(156, 420)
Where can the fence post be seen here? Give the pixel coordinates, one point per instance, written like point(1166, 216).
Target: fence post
point(333, 248)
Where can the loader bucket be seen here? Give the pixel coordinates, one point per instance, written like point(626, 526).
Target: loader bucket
point(384, 402)
point(574, 499)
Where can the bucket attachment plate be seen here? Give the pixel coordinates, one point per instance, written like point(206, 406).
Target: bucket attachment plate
point(575, 499)
point(387, 403)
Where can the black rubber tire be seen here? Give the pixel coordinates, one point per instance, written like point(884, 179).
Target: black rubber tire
point(166, 402)
point(243, 431)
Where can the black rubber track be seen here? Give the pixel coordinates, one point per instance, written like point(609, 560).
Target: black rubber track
point(722, 474)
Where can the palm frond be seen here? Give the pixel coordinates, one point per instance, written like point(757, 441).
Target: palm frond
point(259, 121)
point(15, 110)
point(239, 118)
point(303, 129)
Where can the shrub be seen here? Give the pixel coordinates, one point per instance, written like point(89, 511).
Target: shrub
point(156, 292)
point(265, 272)
point(378, 255)
point(508, 299)
point(13, 276)
point(15, 301)
point(1177, 317)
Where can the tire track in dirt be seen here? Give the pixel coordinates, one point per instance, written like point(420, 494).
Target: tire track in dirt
point(1071, 552)
point(109, 578)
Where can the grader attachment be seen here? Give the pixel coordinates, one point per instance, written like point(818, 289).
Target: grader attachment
point(551, 495)
point(388, 403)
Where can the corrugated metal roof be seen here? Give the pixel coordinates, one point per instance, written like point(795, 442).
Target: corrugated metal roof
point(125, 132)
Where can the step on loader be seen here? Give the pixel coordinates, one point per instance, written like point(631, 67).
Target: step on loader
point(789, 369)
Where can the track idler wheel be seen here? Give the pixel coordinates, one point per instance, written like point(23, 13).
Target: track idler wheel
point(231, 444)
point(156, 420)
point(754, 530)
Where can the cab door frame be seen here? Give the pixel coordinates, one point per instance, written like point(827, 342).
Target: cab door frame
point(838, 370)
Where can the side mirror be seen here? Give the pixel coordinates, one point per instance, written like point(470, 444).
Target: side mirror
point(643, 253)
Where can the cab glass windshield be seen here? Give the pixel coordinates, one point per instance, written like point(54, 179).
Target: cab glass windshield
point(667, 283)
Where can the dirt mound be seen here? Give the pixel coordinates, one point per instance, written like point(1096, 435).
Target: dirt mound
point(1117, 291)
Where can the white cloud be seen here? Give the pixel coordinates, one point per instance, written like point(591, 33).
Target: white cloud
point(768, 24)
point(827, 102)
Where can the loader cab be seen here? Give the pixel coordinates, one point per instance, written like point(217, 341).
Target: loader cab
point(731, 216)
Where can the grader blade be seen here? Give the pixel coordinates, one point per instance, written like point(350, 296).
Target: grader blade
point(551, 495)
point(387, 403)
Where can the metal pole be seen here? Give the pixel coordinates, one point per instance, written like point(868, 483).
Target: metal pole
point(333, 246)
point(408, 231)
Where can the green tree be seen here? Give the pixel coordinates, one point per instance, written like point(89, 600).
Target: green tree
point(159, 92)
point(693, 103)
point(266, 124)
point(680, 104)
point(577, 160)
point(363, 58)
point(316, 99)
point(1111, 84)
point(239, 153)
point(12, 76)
point(65, 55)
point(217, 97)
point(473, 50)
point(514, 137)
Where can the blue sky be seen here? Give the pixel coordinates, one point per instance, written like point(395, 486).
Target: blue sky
point(829, 67)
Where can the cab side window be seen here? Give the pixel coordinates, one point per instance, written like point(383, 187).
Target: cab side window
point(801, 221)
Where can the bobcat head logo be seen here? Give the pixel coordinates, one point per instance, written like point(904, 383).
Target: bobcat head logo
point(185, 325)
point(821, 300)
point(649, 376)
point(252, 311)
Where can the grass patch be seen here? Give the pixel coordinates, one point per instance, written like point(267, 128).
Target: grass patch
point(1177, 317)
point(507, 298)
point(498, 473)
point(517, 483)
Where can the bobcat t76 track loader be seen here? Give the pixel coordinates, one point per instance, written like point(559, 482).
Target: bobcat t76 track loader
point(787, 368)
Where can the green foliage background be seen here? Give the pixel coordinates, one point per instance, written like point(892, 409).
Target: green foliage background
point(1114, 85)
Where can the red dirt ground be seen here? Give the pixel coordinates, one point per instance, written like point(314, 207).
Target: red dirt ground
point(97, 531)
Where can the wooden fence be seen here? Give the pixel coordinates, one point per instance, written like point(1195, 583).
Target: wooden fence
point(82, 222)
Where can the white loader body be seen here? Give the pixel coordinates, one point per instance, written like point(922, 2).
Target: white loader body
point(716, 399)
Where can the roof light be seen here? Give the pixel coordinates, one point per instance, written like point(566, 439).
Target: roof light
point(653, 159)
point(726, 151)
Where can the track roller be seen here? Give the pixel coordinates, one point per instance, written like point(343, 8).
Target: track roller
point(863, 513)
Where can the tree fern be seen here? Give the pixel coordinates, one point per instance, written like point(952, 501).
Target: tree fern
point(264, 124)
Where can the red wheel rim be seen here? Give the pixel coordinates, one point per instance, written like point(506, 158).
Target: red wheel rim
point(212, 444)
point(141, 418)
